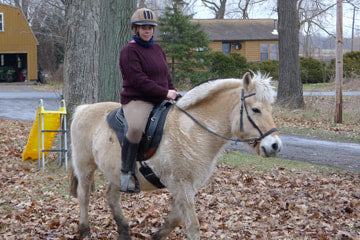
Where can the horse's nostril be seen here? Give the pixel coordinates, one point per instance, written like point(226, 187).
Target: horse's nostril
point(275, 146)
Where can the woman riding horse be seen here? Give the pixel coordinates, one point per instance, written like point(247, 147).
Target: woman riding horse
point(146, 82)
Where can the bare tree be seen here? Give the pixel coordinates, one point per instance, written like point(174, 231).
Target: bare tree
point(115, 32)
point(245, 5)
point(48, 24)
point(81, 62)
point(218, 9)
point(290, 92)
point(312, 17)
point(95, 34)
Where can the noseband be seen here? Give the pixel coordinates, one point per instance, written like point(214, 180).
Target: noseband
point(254, 141)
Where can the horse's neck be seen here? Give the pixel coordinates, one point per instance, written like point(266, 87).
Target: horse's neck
point(215, 114)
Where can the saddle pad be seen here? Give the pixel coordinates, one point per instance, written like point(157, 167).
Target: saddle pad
point(117, 122)
point(153, 132)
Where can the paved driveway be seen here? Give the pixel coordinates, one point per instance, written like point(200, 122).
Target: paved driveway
point(20, 101)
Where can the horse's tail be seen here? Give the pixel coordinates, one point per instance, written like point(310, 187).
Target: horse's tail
point(73, 183)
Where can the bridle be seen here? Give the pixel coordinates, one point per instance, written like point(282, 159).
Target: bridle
point(254, 141)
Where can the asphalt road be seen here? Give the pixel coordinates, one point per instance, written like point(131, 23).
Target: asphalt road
point(20, 102)
point(322, 152)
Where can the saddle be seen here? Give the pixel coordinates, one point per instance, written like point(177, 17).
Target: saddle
point(150, 139)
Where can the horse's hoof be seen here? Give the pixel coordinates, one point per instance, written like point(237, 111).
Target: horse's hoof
point(84, 231)
point(125, 235)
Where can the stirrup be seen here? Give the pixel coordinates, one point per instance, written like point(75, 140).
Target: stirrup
point(129, 183)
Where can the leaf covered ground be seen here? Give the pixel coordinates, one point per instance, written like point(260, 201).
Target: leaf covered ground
point(246, 203)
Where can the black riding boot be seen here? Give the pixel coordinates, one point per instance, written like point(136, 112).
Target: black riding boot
point(129, 182)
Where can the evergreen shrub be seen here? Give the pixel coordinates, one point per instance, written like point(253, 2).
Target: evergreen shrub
point(313, 70)
point(227, 66)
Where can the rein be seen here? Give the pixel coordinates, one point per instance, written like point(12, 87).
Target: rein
point(254, 141)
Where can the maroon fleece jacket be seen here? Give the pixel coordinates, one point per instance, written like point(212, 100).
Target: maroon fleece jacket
point(145, 73)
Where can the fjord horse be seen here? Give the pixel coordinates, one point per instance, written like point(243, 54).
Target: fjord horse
point(196, 130)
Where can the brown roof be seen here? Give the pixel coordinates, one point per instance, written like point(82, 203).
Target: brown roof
point(236, 29)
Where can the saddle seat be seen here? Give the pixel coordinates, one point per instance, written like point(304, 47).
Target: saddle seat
point(150, 139)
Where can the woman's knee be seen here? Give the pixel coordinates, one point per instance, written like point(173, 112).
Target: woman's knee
point(134, 135)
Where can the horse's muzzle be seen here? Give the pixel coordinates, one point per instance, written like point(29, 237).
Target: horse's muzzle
point(270, 146)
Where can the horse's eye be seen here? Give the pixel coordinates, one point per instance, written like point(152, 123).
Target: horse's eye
point(256, 110)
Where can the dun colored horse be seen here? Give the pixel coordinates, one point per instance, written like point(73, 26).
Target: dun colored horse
point(196, 130)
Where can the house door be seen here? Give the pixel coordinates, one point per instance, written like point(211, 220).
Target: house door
point(12, 66)
point(226, 48)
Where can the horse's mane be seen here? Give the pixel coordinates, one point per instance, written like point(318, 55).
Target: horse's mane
point(206, 89)
point(259, 84)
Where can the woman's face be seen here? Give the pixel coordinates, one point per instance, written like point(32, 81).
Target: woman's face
point(146, 32)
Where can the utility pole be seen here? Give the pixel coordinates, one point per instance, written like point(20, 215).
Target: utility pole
point(352, 33)
point(339, 62)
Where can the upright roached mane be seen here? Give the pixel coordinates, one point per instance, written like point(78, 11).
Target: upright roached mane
point(261, 85)
point(186, 156)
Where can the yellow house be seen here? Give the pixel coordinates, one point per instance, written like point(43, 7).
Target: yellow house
point(255, 39)
point(18, 46)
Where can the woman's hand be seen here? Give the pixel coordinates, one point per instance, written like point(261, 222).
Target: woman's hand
point(172, 94)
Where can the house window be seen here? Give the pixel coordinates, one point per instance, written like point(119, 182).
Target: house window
point(264, 53)
point(1, 22)
point(226, 48)
point(200, 49)
point(273, 51)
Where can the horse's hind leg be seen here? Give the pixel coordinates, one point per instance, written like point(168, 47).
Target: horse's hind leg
point(183, 210)
point(83, 193)
point(113, 198)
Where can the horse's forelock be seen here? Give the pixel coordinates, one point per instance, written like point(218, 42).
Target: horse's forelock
point(207, 89)
point(263, 88)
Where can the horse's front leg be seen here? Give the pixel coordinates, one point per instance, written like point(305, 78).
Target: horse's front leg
point(183, 211)
point(113, 196)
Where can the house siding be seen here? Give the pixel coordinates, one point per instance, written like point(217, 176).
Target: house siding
point(18, 37)
point(250, 49)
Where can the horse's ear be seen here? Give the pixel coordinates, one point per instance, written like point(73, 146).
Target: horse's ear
point(247, 80)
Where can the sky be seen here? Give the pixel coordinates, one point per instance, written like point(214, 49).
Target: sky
point(265, 12)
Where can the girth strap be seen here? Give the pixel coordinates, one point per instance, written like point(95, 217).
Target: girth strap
point(148, 173)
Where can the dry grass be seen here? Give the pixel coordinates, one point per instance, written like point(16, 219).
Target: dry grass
point(317, 119)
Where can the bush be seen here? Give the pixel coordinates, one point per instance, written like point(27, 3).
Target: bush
point(235, 65)
point(227, 66)
point(313, 71)
point(351, 64)
point(270, 67)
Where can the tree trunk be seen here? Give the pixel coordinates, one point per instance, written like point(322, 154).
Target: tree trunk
point(81, 53)
point(290, 93)
point(115, 33)
point(221, 12)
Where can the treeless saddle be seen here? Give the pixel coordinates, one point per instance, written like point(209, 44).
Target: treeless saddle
point(150, 139)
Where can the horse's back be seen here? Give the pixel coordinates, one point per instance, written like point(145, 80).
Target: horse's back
point(93, 112)
point(87, 117)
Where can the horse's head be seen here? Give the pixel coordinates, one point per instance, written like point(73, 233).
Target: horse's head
point(255, 119)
